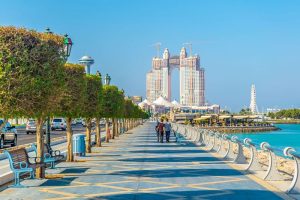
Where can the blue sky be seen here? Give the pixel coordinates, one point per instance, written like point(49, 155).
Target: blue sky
point(239, 42)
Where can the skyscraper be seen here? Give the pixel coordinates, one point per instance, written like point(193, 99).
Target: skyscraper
point(253, 106)
point(192, 86)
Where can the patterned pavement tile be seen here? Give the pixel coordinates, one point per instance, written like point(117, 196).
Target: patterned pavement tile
point(134, 166)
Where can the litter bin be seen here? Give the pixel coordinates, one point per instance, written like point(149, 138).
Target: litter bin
point(79, 144)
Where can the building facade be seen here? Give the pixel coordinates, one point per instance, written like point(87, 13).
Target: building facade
point(192, 80)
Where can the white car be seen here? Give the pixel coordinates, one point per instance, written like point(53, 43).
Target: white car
point(8, 135)
point(58, 123)
point(31, 127)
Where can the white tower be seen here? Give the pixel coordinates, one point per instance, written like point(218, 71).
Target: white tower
point(253, 106)
point(87, 61)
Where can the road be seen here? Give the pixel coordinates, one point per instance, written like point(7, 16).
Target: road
point(23, 138)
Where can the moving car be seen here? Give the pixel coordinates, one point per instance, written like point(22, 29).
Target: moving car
point(8, 135)
point(31, 127)
point(58, 123)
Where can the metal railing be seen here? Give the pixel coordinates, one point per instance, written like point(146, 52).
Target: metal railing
point(223, 144)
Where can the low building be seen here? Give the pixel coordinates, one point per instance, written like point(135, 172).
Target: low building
point(136, 99)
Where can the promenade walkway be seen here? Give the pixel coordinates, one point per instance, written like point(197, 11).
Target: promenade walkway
point(136, 167)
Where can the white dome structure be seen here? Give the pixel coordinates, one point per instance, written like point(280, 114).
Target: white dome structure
point(160, 101)
point(147, 102)
point(87, 61)
point(176, 104)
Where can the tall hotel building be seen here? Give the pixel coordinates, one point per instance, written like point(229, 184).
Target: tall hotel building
point(192, 86)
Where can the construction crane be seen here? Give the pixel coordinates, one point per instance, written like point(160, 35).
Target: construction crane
point(189, 45)
point(157, 47)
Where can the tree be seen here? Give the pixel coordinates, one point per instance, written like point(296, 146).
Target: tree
point(31, 73)
point(132, 113)
point(245, 111)
point(72, 101)
point(119, 110)
point(99, 113)
point(92, 105)
point(111, 106)
point(288, 113)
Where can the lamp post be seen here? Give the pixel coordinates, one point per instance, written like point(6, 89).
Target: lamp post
point(98, 73)
point(67, 46)
point(107, 79)
point(67, 51)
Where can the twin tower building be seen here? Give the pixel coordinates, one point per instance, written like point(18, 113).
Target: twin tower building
point(192, 82)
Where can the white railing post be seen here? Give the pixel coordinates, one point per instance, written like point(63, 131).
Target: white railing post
point(254, 163)
point(272, 173)
point(294, 188)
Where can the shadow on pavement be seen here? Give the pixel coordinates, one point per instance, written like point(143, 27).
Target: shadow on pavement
point(74, 170)
point(170, 159)
point(171, 173)
point(198, 194)
point(58, 182)
point(164, 151)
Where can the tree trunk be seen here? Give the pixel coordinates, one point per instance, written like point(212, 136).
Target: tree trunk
point(117, 127)
point(122, 126)
point(88, 135)
point(70, 157)
point(107, 130)
point(113, 128)
point(98, 133)
point(40, 171)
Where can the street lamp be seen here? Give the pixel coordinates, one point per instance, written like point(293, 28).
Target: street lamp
point(48, 31)
point(67, 51)
point(98, 73)
point(67, 46)
point(107, 79)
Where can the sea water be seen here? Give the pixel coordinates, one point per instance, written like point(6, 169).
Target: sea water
point(288, 136)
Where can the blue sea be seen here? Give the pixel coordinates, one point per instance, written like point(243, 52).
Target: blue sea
point(288, 136)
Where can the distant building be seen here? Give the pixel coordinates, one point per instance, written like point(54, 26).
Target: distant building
point(273, 110)
point(253, 105)
point(192, 87)
point(136, 99)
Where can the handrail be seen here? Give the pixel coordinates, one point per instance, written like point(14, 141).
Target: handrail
point(216, 142)
point(295, 185)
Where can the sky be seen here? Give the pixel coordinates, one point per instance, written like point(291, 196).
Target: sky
point(239, 42)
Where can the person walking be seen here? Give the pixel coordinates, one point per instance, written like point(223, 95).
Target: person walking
point(168, 130)
point(161, 129)
point(157, 131)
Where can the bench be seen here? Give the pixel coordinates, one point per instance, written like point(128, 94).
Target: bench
point(50, 156)
point(19, 162)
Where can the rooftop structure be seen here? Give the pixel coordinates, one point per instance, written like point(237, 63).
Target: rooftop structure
point(87, 61)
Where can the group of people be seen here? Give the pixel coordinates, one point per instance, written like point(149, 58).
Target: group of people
point(163, 128)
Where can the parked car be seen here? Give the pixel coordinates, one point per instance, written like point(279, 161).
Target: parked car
point(8, 135)
point(74, 122)
point(79, 121)
point(58, 123)
point(31, 127)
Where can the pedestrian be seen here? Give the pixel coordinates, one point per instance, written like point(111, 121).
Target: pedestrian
point(168, 130)
point(157, 131)
point(161, 129)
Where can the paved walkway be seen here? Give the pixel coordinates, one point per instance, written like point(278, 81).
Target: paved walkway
point(136, 167)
